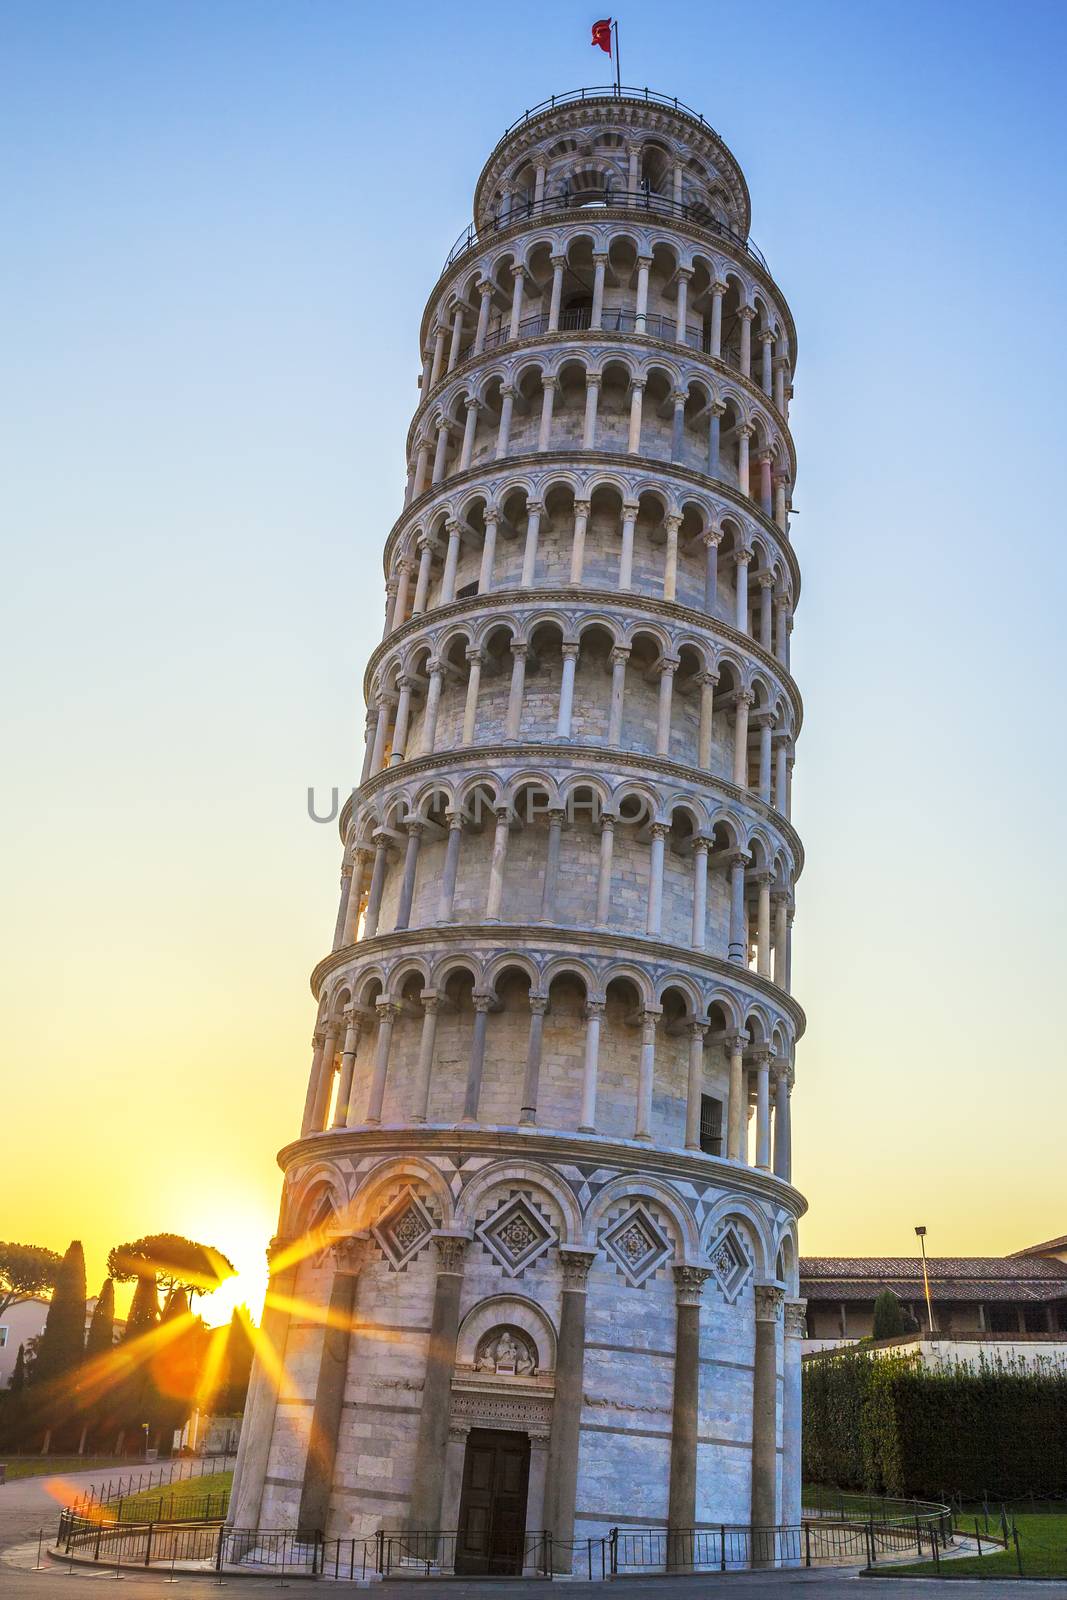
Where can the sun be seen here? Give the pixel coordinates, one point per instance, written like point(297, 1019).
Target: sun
point(242, 1233)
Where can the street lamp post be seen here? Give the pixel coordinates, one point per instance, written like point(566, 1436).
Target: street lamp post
point(921, 1231)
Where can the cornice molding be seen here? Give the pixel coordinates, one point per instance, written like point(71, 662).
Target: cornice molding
point(508, 1140)
point(594, 600)
point(612, 336)
point(580, 462)
point(504, 936)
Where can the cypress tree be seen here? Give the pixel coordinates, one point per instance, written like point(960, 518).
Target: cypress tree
point(889, 1320)
point(18, 1375)
point(101, 1335)
point(62, 1343)
point(236, 1366)
point(144, 1310)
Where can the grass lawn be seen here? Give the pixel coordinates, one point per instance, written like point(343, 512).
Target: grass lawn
point(50, 1466)
point(1042, 1544)
point(177, 1499)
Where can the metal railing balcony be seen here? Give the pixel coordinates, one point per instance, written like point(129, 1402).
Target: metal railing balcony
point(526, 208)
point(613, 319)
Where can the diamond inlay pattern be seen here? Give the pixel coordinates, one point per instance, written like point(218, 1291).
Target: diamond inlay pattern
point(636, 1245)
point(404, 1228)
point(730, 1263)
point(516, 1235)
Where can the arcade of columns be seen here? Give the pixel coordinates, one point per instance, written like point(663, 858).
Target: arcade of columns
point(548, 1109)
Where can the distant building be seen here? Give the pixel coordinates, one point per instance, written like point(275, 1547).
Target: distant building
point(25, 1321)
point(1021, 1294)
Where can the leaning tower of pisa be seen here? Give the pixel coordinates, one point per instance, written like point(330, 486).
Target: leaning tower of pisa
point(548, 1274)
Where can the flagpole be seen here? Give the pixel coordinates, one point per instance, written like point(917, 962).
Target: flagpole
point(618, 70)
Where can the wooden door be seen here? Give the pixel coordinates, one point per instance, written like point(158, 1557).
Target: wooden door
point(492, 1506)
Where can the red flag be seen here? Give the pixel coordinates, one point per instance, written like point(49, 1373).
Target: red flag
point(602, 35)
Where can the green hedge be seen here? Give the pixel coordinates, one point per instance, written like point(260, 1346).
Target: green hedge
point(888, 1425)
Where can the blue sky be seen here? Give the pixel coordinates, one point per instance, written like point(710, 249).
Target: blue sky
point(222, 223)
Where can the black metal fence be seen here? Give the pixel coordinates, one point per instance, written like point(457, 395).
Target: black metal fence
point(209, 1544)
point(113, 1489)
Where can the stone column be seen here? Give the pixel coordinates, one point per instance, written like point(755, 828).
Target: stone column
point(566, 691)
point(647, 1072)
point(485, 573)
point(780, 908)
point(388, 1012)
point(507, 401)
point(795, 1331)
point(737, 1108)
point(783, 1155)
point(448, 577)
point(307, 1122)
point(377, 884)
point(746, 314)
point(422, 582)
point(737, 860)
point(513, 719)
point(348, 1066)
point(677, 424)
point(360, 857)
point(594, 1010)
point(765, 501)
point(559, 264)
point(457, 336)
point(600, 262)
point(369, 727)
point(741, 561)
point(422, 467)
point(548, 891)
point(475, 657)
point(620, 655)
point(432, 1441)
point(668, 666)
point(700, 892)
point(592, 397)
point(672, 524)
point(781, 629)
point(744, 434)
point(581, 522)
point(765, 1516)
point(529, 555)
point(400, 600)
point(518, 274)
point(313, 1516)
point(441, 450)
point(707, 682)
point(643, 264)
point(683, 276)
point(381, 733)
point(718, 290)
point(780, 366)
point(476, 1066)
point(548, 396)
point(694, 1091)
point(763, 1110)
point(446, 905)
point(742, 701)
point(637, 391)
point(532, 1077)
point(421, 1088)
point(497, 863)
point(689, 1281)
point(324, 1083)
point(470, 429)
point(763, 924)
point(342, 905)
point(781, 501)
point(766, 609)
point(250, 1470)
point(405, 684)
point(603, 882)
point(485, 296)
point(781, 774)
point(440, 335)
point(436, 670)
point(411, 862)
point(626, 548)
point(766, 339)
point(654, 917)
point(562, 1474)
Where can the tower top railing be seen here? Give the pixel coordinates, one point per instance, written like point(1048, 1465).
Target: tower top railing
point(608, 91)
point(642, 202)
